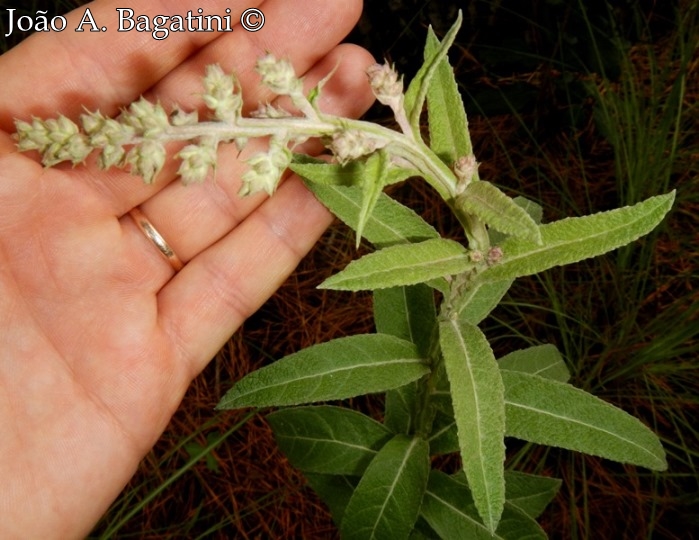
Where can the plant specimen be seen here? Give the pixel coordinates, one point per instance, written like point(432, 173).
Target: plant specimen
point(445, 390)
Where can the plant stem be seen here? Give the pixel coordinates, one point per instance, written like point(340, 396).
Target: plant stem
point(416, 153)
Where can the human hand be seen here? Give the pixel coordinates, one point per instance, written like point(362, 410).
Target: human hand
point(100, 337)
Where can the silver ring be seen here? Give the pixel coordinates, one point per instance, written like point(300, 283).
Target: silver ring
point(154, 236)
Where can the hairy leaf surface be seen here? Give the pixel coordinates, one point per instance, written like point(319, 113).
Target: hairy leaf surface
point(497, 210)
point(402, 265)
point(339, 369)
point(417, 90)
point(328, 440)
point(476, 303)
point(448, 125)
point(353, 173)
point(376, 171)
point(390, 223)
point(479, 411)
point(333, 490)
point(549, 412)
point(408, 313)
point(448, 508)
point(573, 239)
point(530, 492)
point(387, 500)
point(542, 360)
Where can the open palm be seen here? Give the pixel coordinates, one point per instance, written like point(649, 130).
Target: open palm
point(99, 337)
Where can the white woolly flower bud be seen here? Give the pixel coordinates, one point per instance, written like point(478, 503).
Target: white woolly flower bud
point(350, 144)
point(465, 168)
point(385, 84)
point(58, 139)
point(266, 110)
point(495, 255)
point(180, 118)
point(146, 160)
point(32, 136)
point(222, 94)
point(266, 169)
point(278, 75)
point(148, 119)
point(109, 135)
point(197, 159)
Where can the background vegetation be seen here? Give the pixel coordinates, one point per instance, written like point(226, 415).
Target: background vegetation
point(581, 105)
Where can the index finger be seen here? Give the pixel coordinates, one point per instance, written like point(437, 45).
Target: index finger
point(92, 63)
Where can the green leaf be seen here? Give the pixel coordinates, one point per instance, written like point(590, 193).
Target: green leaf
point(400, 408)
point(479, 410)
point(390, 223)
point(476, 303)
point(335, 491)
point(329, 174)
point(402, 265)
point(375, 169)
point(387, 500)
point(530, 207)
point(557, 414)
point(542, 360)
point(352, 174)
point(449, 509)
point(417, 90)
point(448, 125)
point(497, 210)
point(573, 239)
point(534, 209)
point(339, 369)
point(530, 493)
point(407, 313)
point(443, 439)
point(328, 440)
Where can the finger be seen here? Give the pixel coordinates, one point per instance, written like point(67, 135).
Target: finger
point(192, 218)
point(306, 31)
point(62, 71)
point(211, 297)
point(303, 35)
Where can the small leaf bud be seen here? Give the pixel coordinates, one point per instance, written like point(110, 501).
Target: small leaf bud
point(385, 84)
point(465, 168)
point(476, 255)
point(494, 255)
